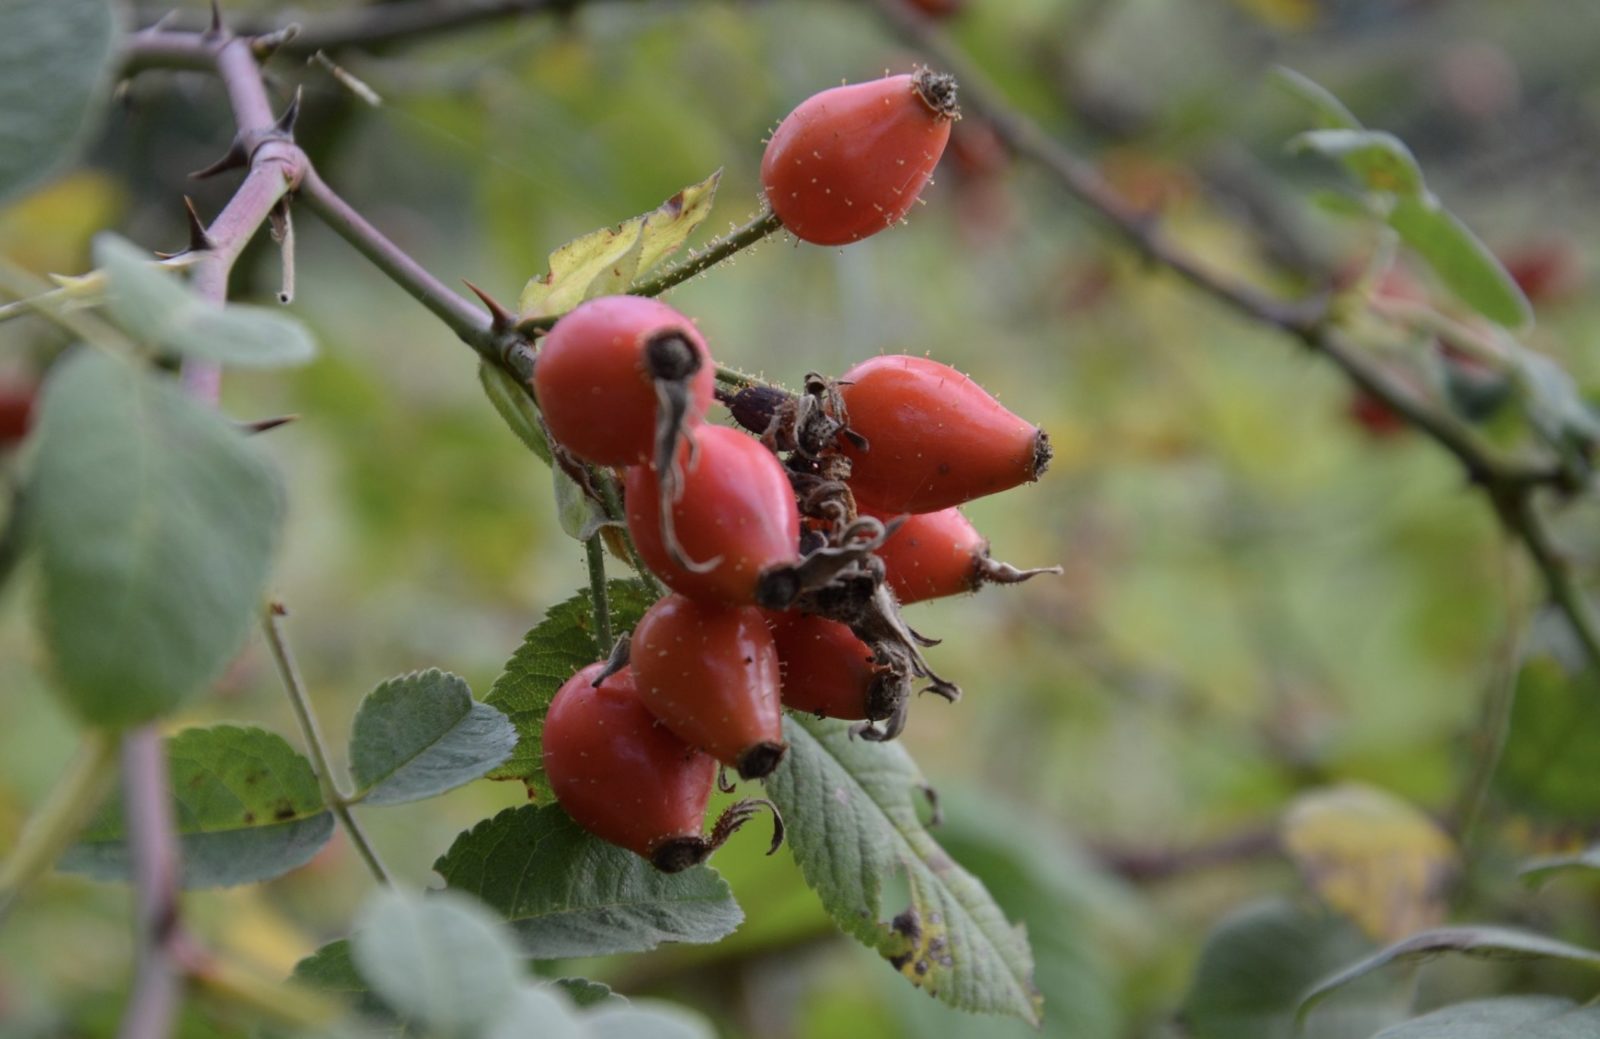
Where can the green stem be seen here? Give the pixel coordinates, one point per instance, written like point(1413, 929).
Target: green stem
point(1495, 723)
point(597, 592)
point(613, 503)
point(1525, 520)
point(337, 801)
point(740, 238)
point(64, 814)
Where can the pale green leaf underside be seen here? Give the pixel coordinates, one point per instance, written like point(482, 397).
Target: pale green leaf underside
point(55, 61)
point(1481, 942)
point(246, 804)
point(422, 734)
point(852, 822)
point(566, 893)
point(444, 960)
point(1510, 1017)
point(152, 305)
point(155, 521)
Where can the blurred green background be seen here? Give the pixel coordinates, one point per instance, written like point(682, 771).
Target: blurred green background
point(1261, 594)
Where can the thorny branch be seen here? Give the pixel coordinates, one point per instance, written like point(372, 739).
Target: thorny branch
point(1510, 483)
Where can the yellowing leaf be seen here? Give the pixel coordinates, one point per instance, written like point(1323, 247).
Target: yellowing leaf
point(669, 226)
point(608, 260)
point(1372, 857)
point(49, 229)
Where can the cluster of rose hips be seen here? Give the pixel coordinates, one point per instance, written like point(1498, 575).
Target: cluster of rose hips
point(787, 552)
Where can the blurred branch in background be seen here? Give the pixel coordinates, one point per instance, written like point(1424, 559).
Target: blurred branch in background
point(1510, 483)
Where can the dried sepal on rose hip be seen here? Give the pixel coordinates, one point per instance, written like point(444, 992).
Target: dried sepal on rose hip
point(709, 673)
point(629, 781)
point(937, 554)
point(850, 161)
point(734, 515)
point(619, 379)
point(935, 438)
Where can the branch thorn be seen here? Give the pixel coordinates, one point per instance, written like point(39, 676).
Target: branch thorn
point(261, 425)
point(236, 157)
point(267, 44)
point(503, 319)
point(216, 27)
point(286, 121)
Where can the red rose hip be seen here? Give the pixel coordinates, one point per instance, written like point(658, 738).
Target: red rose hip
point(619, 373)
point(850, 161)
point(827, 670)
point(710, 674)
point(937, 554)
point(621, 775)
point(934, 437)
point(735, 521)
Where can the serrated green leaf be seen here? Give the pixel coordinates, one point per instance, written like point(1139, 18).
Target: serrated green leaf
point(155, 521)
point(1379, 160)
point(514, 407)
point(1076, 917)
point(1482, 942)
point(150, 304)
point(581, 516)
point(669, 225)
point(1463, 263)
point(1259, 960)
point(586, 993)
point(444, 960)
point(550, 654)
point(852, 818)
point(421, 734)
point(600, 263)
point(1509, 1017)
point(331, 969)
point(247, 807)
point(1331, 113)
point(591, 898)
point(56, 58)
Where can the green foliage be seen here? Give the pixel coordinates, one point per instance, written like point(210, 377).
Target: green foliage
point(156, 309)
point(1547, 767)
point(446, 964)
point(1510, 1017)
point(1257, 963)
point(1464, 263)
point(1379, 160)
point(851, 810)
point(445, 961)
point(155, 522)
point(550, 654)
point(592, 898)
point(607, 261)
point(1484, 942)
point(515, 407)
point(421, 734)
point(581, 516)
point(247, 807)
point(55, 63)
point(1074, 913)
point(1389, 172)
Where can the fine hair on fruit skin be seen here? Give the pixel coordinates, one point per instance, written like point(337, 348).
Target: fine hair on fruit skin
point(851, 161)
point(935, 438)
